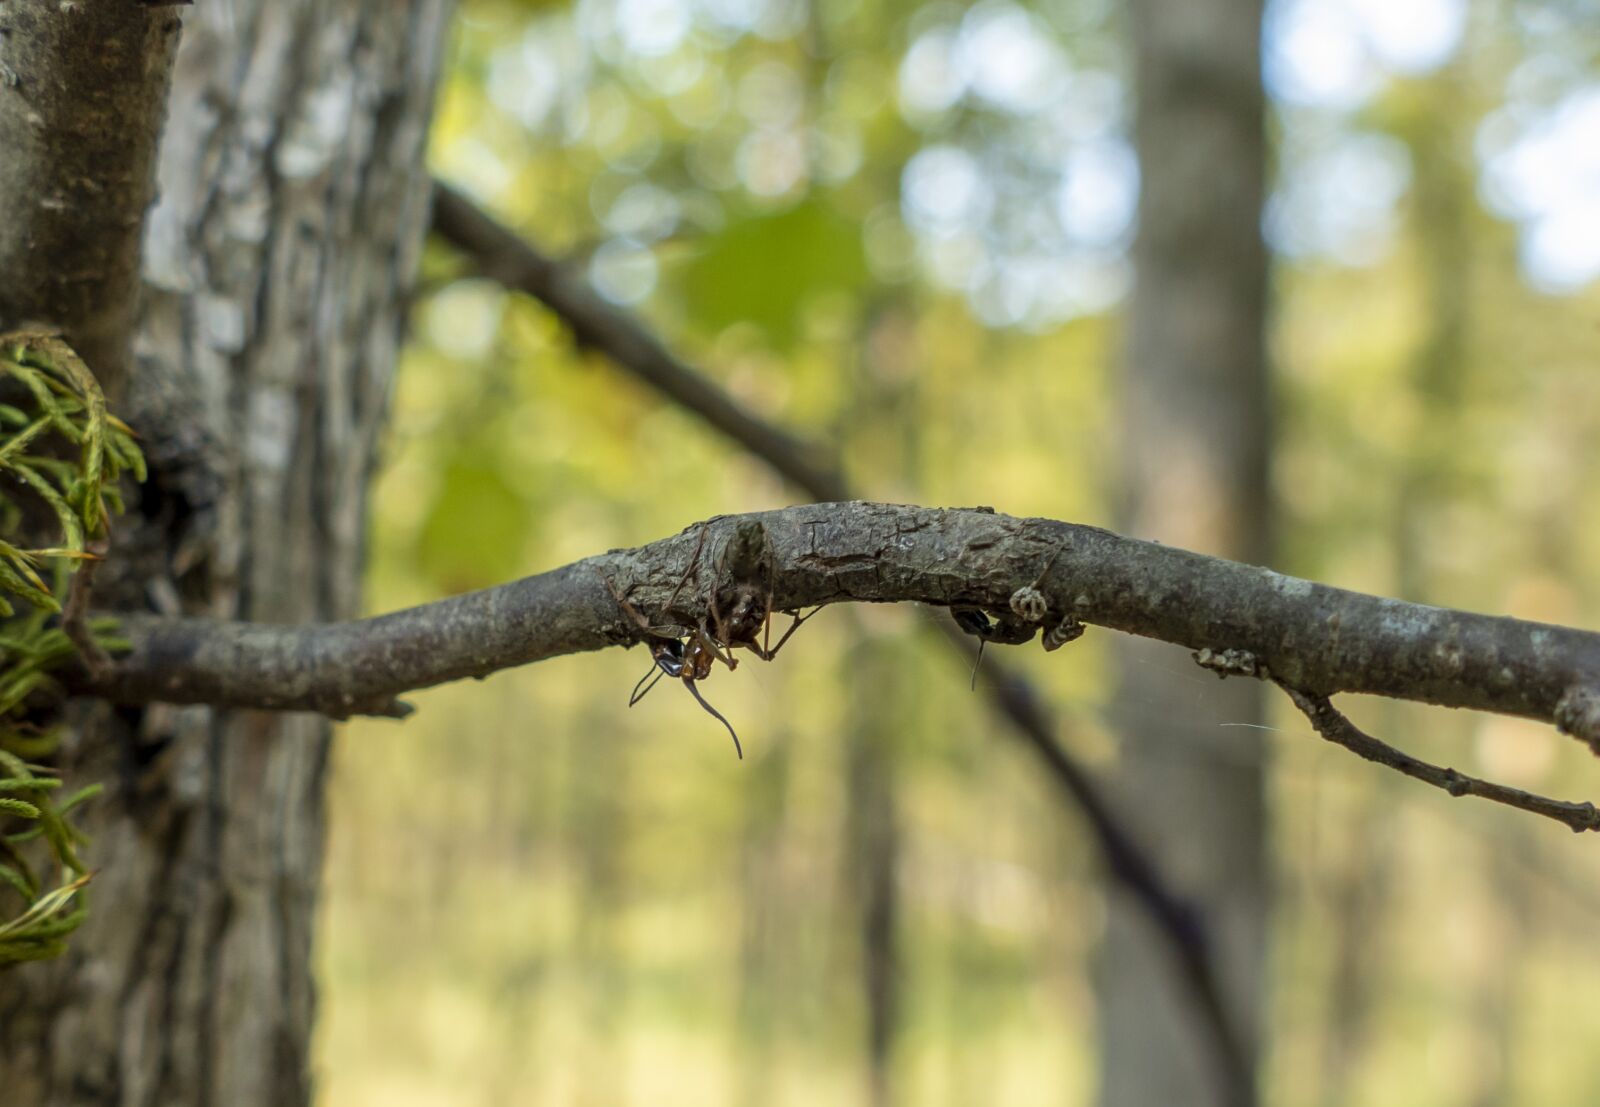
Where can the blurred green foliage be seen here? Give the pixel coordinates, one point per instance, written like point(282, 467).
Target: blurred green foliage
point(765, 269)
point(597, 905)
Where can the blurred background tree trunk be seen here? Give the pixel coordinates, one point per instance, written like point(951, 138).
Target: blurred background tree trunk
point(1361, 895)
point(872, 851)
point(880, 428)
point(1195, 440)
point(278, 261)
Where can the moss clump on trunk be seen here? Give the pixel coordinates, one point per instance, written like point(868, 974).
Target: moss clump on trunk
point(61, 455)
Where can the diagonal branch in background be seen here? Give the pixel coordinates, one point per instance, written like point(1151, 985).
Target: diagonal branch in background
point(1431, 654)
point(502, 256)
point(1176, 920)
point(505, 256)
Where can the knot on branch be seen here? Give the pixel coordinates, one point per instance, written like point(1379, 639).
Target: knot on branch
point(1029, 604)
point(1578, 714)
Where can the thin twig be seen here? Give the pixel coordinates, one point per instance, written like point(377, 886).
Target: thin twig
point(75, 613)
point(1332, 724)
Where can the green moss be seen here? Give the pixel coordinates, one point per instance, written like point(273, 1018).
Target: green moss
point(64, 452)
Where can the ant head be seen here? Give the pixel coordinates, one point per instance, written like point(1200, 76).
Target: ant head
point(669, 655)
point(973, 621)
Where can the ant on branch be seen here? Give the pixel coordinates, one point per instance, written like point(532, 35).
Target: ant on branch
point(689, 659)
point(690, 653)
point(1029, 607)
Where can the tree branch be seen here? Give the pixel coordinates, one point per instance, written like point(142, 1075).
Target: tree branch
point(83, 91)
point(1248, 620)
point(1332, 724)
point(501, 255)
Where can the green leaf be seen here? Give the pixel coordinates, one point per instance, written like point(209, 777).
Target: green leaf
point(43, 907)
point(29, 784)
point(477, 527)
point(18, 882)
point(767, 269)
point(13, 445)
point(18, 578)
point(71, 525)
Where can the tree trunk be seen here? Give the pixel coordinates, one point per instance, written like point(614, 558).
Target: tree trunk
point(880, 701)
point(278, 260)
point(1195, 448)
point(872, 852)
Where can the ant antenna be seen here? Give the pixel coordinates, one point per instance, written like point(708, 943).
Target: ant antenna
point(655, 671)
point(717, 715)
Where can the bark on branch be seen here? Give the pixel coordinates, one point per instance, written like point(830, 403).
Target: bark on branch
point(1244, 620)
point(83, 90)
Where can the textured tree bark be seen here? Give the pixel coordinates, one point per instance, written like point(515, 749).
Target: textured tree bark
point(293, 202)
point(1239, 619)
point(1195, 447)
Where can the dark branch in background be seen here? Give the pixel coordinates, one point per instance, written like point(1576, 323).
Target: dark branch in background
point(1312, 636)
point(1175, 919)
point(499, 254)
point(83, 92)
point(502, 254)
